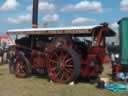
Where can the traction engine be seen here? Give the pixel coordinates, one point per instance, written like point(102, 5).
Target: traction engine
point(59, 52)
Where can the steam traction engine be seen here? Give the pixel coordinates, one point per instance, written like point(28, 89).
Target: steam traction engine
point(60, 52)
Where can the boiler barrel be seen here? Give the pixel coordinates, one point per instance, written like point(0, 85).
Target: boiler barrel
point(123, 31)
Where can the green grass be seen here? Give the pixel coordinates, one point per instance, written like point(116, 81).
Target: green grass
point(37, 86)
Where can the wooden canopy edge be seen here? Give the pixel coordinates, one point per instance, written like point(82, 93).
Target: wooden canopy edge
point(82, 30)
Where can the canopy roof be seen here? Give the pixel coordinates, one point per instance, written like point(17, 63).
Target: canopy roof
point(78, 31)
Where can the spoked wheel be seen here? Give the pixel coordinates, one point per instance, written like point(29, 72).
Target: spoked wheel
point(22, 67)
point(64, 65)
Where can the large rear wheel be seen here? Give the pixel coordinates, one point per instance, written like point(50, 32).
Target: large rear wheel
point(64, 65)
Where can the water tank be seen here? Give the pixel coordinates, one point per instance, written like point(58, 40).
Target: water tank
point(123, 33)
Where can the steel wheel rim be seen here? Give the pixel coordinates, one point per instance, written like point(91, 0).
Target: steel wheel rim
point(61, 67)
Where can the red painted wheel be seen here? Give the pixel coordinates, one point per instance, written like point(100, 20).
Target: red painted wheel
point(64, 65)
point(22, 67)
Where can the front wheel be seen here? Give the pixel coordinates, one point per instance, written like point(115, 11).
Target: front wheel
point(64, 65)
point(22, 67)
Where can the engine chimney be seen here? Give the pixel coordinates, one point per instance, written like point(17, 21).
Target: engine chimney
point(35, 14)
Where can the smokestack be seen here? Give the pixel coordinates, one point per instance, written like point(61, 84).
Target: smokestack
point(35, 14)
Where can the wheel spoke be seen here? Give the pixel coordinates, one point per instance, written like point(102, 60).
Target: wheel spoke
point(62, 76)
point(68, 70)
point(68, 60)
point(67, 75)
point(64, 57)
point(54, 68)
point(18, 67)
point(53, 61)
point(21, 70)
point(56, 55)
point(61, 56)
point(57, 75)
point(24, 69)
point(69, 66)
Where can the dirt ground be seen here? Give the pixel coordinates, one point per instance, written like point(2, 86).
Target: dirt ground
point(40, 86)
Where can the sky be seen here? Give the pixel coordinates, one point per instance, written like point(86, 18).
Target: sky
point(16, 14)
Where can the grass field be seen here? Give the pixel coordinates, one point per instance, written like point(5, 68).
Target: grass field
point(39, 86)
